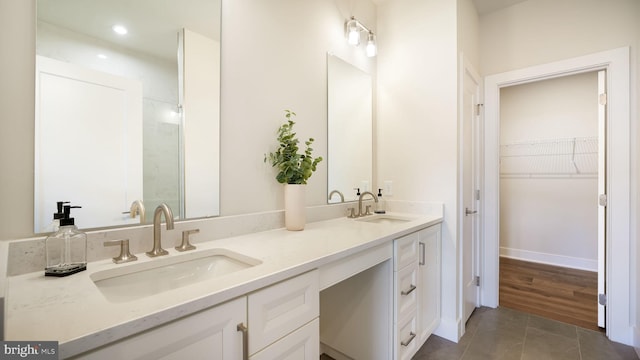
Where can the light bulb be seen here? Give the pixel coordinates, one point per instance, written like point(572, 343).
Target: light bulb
point(354, 36)
point(371, 45)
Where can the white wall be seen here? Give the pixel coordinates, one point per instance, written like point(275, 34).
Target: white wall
point(542, 31)
point(469, 32)
point(550, 218)
point(274, 58)
point(417, 120)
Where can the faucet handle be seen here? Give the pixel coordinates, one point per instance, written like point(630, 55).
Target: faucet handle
point(368, 210)
point(125, 255)
point(185, 240)
point(351, 213)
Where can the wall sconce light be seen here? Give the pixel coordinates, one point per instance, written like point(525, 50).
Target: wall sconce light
point(353, 29)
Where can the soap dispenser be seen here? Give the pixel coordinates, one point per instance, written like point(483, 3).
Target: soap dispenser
point(66, 249)
point(380, 205)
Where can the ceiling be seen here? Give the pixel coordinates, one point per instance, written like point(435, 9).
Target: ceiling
point(486, 6)
point(482, 6)
point(153, 24)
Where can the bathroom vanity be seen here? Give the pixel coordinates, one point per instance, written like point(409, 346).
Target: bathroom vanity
point(353, 288)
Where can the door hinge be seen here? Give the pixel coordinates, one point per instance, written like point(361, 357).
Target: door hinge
point(478, 107)
point(603, 99)
point(477, 280)
point(602, 299)
point(602, 200)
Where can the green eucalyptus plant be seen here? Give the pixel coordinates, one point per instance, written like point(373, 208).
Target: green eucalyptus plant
point(293, 168)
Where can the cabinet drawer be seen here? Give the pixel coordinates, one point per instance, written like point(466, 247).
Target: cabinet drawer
point(406, 291)
point(280, 309)
point(302, 344)
point(405, 251)
point(406, 341)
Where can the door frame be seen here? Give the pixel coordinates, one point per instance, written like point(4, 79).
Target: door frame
point(618, 247)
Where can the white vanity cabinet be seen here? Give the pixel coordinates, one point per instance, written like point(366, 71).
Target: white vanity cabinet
point(281, 321)
point(208, 334)
point(416, 290)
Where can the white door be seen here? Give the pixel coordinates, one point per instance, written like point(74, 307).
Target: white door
point(469, 201)
point(602, 119)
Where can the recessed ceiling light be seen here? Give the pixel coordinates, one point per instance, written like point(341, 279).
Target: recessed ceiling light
point(119, 29)
point(102, 56)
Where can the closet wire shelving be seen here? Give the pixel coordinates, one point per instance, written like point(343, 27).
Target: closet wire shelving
point(550, 158)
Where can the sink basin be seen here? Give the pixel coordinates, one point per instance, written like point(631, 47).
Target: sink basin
point(385, 219)
point(136, 281)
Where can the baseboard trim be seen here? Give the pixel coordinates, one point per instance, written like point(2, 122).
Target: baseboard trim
point(449, 329)
point(550, 259)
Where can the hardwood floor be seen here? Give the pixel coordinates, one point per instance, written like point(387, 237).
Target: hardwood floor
point(562, 294)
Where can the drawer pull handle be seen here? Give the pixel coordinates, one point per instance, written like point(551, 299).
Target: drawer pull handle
point(245, 340)
point(412, 336)
point(423, 259)
point(407, 292)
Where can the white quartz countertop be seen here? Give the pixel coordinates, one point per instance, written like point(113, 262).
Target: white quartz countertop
point(73, 311)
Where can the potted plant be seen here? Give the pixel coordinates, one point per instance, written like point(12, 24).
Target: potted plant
point(294, 169)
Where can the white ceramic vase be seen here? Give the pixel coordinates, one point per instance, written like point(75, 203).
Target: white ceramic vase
point(294, 206)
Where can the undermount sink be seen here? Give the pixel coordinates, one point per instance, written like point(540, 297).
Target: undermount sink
point(384, 219)
point(136, 281)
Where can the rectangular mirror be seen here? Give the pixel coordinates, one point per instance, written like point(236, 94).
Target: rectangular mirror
point(350, 129)
point(127, 116)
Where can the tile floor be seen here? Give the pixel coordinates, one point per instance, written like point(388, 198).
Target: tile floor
point(509, 334)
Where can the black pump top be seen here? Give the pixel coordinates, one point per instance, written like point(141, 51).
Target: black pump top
point(59, 214)
point(379, 193)
point(66, 218)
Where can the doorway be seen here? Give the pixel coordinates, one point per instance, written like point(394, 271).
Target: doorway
point(549, 177)
point(616, 62)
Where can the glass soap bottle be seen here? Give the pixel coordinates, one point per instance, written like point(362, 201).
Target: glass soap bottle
point(66, 249)
point(380, 205)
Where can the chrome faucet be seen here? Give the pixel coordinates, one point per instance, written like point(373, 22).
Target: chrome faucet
point(336, 192)
point(375, 198)
point(157, 217)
